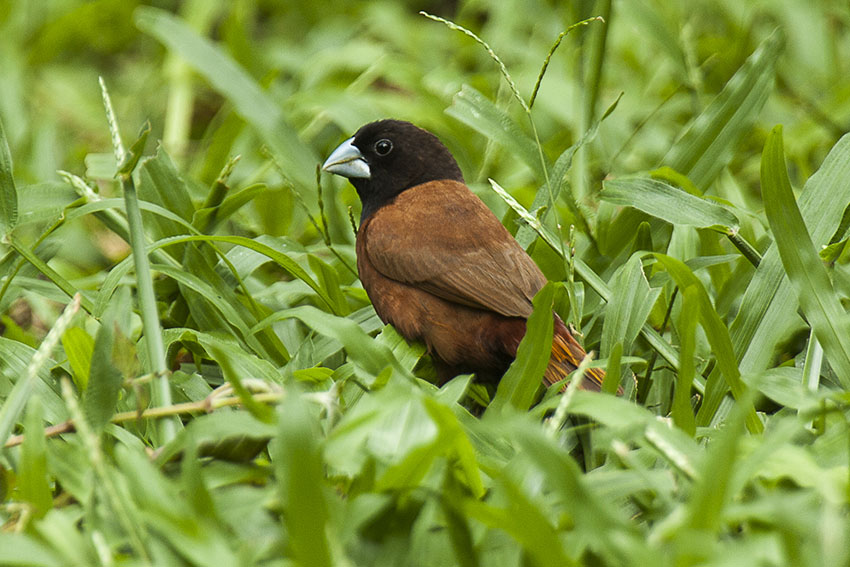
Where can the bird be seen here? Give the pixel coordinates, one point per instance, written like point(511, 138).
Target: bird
point(435, 261)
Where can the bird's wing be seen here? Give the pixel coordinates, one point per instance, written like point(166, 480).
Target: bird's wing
point(441, 238)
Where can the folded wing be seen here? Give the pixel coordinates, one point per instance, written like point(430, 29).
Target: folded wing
point(441, 238)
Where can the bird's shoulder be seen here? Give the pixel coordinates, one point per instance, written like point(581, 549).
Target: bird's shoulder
point(441, 213)
point(441, 237)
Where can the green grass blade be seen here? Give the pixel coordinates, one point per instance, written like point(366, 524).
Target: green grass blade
point(457, 524)
point(43, 202)
point(243, 362)
point(224, 359)
point(154, 502)
point(407, 354)
point(105, 380)
point(51, 274)
point(594, 518)
point(673, 205)
point(301, 483)
point(33, 482)
point(630, 304)
point(207, 219)
point(78, 346)
point(479, 113)
point(218, 433)
point(709, 142)
point(525, 235)
point(552, 50)
point(713, 491)
point(194, 262)
point(144, 286)
point(362, 348)
point(118, 272)
point(410, 470)
point(525, 522)
point(614, 369)
point(23, 549)
point(807, 273)
point(766, 316)
point(161, 184)
point(8, 192)
point(329, 281)
point(520, 383)
point(717, 334)
point(210, 296)
point(683, 414)
point(456, 443)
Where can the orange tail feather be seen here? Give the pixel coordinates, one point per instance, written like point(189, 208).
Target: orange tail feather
point(567, 354)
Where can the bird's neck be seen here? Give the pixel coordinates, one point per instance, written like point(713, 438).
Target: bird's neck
point(372, 197)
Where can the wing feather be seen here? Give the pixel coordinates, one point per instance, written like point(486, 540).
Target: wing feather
point(440, 236)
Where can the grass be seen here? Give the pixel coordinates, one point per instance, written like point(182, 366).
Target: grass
point(191, 373)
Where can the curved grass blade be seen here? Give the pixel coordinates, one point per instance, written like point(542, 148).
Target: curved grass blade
point(119, 271)
point(301, 484)
point(208, 292)
point(525, 235)
point(673, 205)
point(373, 356)
point(805, 270)
point(520, 383)
point(479, 113)
point(766, 316)
point(490, 52)
point(8, 192)
point(683, 414)
point(206, 219)
point(709, 141)
point(245, 363)
point(677, 207)
point(630, 304)
point(717, 334)
point(552, 49)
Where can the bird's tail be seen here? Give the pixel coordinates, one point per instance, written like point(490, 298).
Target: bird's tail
point(567, 354)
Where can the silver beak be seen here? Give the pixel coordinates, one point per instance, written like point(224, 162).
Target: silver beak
point(347, 161)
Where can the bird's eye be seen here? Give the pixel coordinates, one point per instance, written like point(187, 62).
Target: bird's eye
point(383, 147)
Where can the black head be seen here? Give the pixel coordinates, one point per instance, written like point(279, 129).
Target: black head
point(388, 156)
